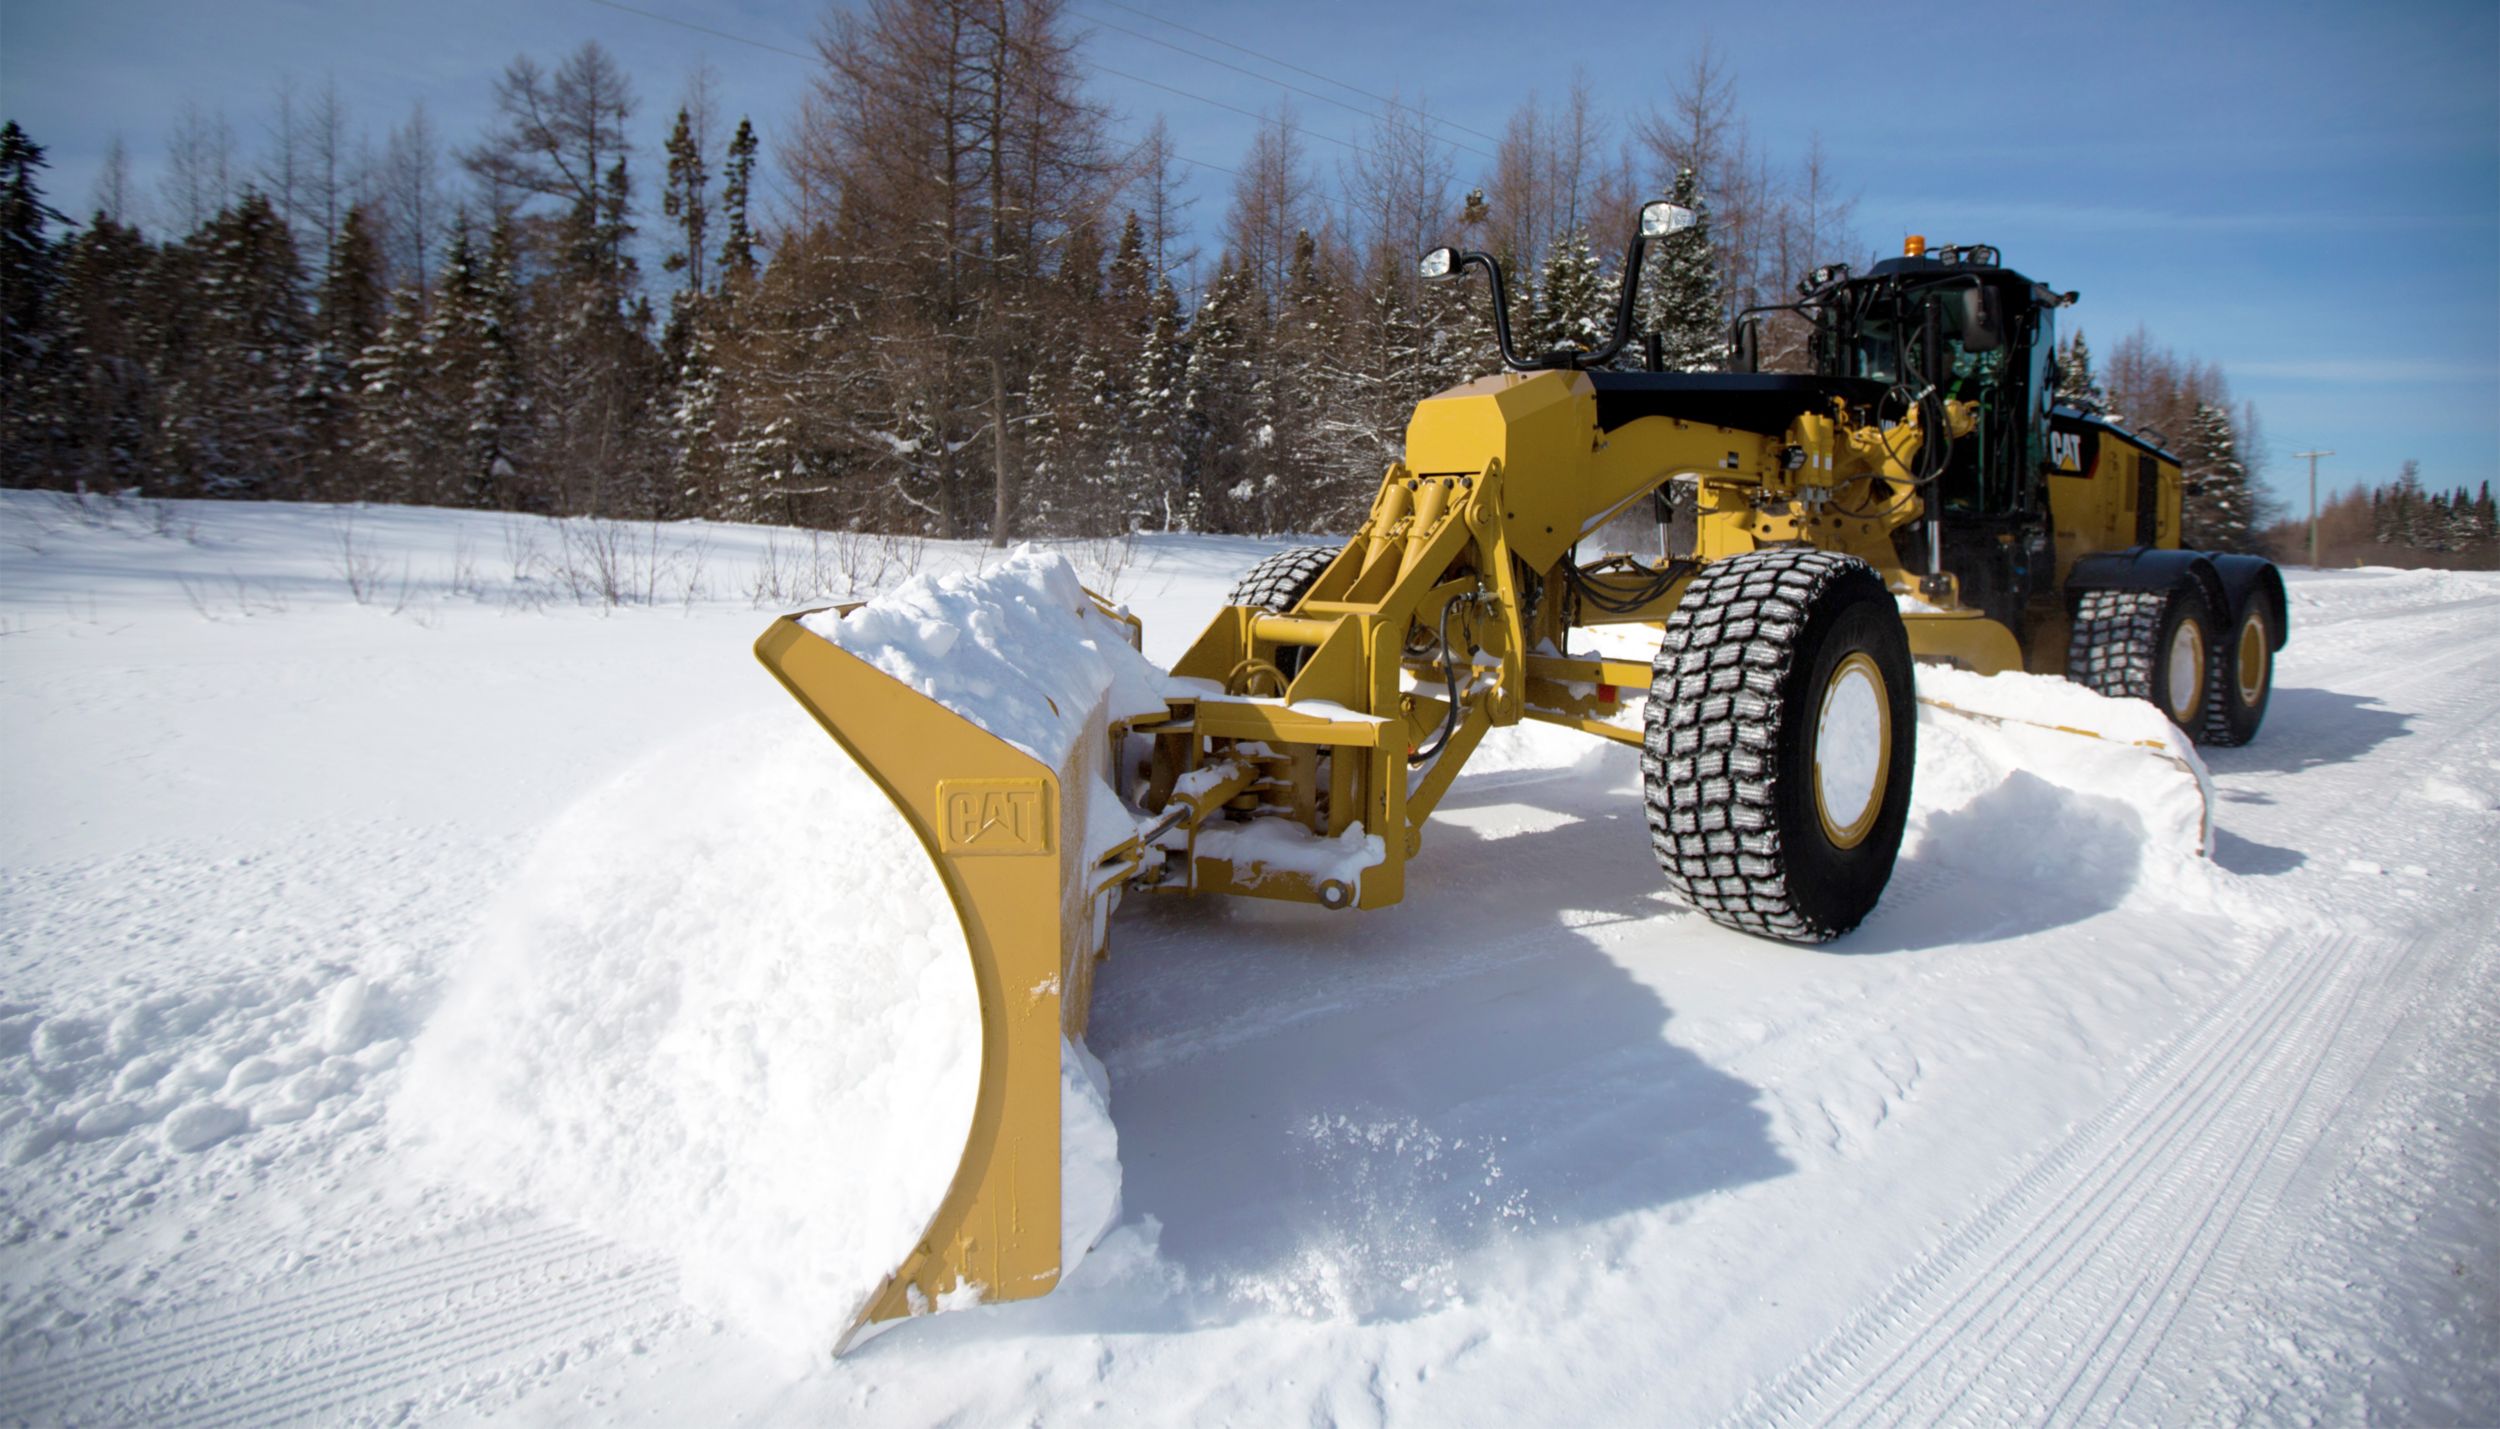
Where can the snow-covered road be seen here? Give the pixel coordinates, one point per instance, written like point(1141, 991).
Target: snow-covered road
point(2074, 1129)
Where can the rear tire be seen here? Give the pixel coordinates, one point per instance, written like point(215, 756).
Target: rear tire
point(1277, 584)
point(1781, 743)
point(2146, 645)
point(2241, 678)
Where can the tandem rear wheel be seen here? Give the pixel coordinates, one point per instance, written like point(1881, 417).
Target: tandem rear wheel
point(2170, 648)
point(1781, 741)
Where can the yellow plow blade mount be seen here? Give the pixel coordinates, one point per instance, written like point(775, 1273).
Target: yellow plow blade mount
point(1007, 835)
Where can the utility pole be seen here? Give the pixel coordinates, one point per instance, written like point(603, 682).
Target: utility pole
point(2313, 502)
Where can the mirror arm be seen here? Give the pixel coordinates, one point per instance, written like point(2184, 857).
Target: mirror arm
point(1624, 304)
point(1501, 307)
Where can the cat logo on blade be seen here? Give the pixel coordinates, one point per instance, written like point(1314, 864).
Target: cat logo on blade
point(995, 815)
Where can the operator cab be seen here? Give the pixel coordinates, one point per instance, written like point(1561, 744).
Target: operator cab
point(1955, 325)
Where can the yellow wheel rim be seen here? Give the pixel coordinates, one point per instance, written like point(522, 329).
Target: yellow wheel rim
point(1852, 750)
point(2254, 654)
point(2184, 680)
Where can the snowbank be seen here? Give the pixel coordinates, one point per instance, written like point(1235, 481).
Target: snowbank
point(2035, 777)
point(725, 1012)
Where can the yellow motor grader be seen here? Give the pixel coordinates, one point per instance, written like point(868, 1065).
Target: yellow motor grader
point(1796, 541)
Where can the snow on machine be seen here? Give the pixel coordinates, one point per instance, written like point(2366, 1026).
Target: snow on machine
point(1795, 540)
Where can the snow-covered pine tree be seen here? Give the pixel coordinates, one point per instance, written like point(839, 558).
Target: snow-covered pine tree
point(500, 409)
point(1133, 475)
point(352, 304)
point(2396, 508)
point(1570, 297)
point(1221, 401)
point(107, 402)
point(2077, 386)
point(1680, 296)
point(1156, 420)
point(694, 406)
point(394, 443)
point(1299, 475)
point(456, 362)
point(1128, 280)
point(254, 334)
point(2221, 515)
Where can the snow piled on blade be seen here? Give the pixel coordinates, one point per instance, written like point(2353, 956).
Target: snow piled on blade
point(1019, 649)
point(724, 1011)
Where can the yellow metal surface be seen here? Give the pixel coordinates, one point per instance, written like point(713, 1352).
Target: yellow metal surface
point(1962, 637)
point(1002, 839)
point(2100, 507)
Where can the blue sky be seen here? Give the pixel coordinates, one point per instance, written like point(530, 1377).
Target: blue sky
point(2308, 194)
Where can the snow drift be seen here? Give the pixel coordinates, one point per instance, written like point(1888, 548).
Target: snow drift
point(724, 1012)
point(2001, 758)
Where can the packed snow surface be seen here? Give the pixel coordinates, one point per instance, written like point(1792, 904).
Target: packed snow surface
point(724, 1013)
point(2080, 1126)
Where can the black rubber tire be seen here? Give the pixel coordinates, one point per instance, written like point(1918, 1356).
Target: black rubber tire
point(2122, 639)
point(1277, 583)
point(1728, 760)
point(2232, 714)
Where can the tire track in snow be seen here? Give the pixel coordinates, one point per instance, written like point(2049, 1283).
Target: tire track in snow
point(2117, 1284)
point(424, 1315)
point(2317, 1148)
point(2054, 1281)
point(193, 1335)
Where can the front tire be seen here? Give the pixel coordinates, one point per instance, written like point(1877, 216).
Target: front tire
point(1277, 583)
point(1781, 742)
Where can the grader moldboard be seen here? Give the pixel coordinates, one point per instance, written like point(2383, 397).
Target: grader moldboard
point(1798, 539)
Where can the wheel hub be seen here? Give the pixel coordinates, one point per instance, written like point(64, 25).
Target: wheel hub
point(2253, 657)
point(2186, 672)
point(1852, 750)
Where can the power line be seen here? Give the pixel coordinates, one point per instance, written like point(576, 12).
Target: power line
point(1335, 205)
point(1297, 69)
point(1103, 68)
point(708, 30)
point(1270, 79)
point(1220, 104)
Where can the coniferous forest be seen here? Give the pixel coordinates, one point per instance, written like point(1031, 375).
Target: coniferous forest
point(971, 307)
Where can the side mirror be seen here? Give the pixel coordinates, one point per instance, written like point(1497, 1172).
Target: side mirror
point(1974, 312)
point(1662, 218)
point(1438, 264)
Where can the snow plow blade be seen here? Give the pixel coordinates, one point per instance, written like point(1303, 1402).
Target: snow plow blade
point(1009, 850)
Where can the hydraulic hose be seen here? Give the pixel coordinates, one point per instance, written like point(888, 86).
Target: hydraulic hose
point(1449, 678)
